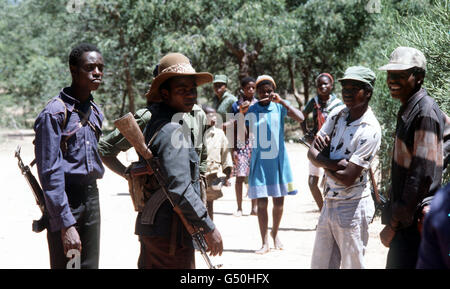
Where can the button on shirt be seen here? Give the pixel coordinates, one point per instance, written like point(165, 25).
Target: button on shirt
point(357, 142)
point(80, 164)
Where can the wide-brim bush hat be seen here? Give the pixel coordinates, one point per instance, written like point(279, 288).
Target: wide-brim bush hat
point(171, 65)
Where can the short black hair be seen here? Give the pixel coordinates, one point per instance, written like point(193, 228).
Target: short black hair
point(417, 71)
point(247, 80)
point(77, 52)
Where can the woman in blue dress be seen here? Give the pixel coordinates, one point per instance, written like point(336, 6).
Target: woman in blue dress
point(270, 171)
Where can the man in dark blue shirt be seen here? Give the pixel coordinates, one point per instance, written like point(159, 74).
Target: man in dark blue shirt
point(434, 252)
point(68, 164)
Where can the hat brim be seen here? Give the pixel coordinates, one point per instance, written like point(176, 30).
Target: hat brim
point(356, 78)
point(396, 66)
point(153, 96)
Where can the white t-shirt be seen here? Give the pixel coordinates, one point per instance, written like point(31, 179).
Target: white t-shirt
point(357, 142)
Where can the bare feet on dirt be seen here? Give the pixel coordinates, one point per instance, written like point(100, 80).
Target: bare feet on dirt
point(277, 243)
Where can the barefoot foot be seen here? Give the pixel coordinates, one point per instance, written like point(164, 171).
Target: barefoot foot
point(277, 242)
point(264, 249)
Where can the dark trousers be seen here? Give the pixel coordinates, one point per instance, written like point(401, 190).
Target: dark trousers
point(404, 249)
point(155, 254)
point(84, 205)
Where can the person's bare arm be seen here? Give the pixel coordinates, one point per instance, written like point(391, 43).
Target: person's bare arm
point(292, 112)
point(346, 176)
point(316, 156)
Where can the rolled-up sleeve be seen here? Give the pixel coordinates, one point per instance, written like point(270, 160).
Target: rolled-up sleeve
point(179, 162)
point(49, 161)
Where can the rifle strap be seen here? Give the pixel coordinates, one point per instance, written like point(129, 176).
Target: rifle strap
point(374, 186)
point(65, 111)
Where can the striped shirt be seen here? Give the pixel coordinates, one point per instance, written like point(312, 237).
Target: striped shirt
point(417, 157)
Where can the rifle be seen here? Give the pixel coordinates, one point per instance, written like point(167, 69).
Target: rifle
point(129, 128)
point(41, 224)
point(380, 199)
point(304, 142)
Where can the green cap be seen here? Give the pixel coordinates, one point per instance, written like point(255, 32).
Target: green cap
point(359, 73)
point(220, 78)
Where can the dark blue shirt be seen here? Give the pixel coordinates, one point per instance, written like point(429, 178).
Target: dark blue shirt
point(434, 250)
point(80, 164)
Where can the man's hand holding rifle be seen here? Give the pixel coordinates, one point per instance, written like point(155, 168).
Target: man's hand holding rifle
point(209, 242)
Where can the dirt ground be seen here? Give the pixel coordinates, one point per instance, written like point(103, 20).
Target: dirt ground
point(22, 248)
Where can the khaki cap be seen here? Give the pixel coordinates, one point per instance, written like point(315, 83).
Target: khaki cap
point(403, 58)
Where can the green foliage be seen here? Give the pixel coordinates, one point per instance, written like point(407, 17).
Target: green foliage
point(419, 24)
point(292, 40)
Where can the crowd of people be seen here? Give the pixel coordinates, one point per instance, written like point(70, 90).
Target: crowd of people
point(200, 147)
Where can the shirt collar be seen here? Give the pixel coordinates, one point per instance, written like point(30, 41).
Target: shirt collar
point(330, 99)
point(406, 109)
point(367, 117)
point(70, 101)
point(268, 107)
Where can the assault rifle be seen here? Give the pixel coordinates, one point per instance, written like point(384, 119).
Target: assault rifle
point(41, 224)
point(129, 128)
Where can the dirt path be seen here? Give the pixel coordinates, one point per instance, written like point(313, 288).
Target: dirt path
point(22, 248)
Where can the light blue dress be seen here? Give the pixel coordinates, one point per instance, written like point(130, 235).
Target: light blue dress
point(270, 171)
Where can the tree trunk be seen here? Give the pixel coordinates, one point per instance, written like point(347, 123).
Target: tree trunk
point(306, 72)
point(244, 58)
point(128, 79)
point(129, 83)
point(291, 67)
point(122, 107)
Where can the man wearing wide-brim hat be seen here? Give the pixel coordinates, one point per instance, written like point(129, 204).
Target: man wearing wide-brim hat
point(353, 136)
point(417, 161)
point(165, 243)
